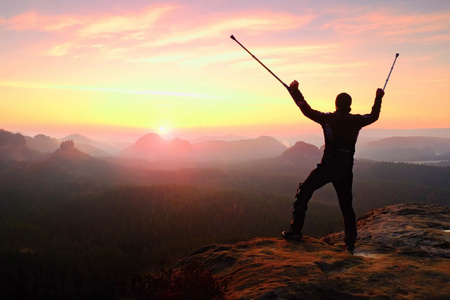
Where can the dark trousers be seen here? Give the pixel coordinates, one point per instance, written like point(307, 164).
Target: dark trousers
point(340, 173)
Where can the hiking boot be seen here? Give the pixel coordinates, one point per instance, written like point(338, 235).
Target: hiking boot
point(291, 235)
point(349, 248)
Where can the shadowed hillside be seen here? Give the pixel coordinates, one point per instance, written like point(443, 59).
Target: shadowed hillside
point(71, 224)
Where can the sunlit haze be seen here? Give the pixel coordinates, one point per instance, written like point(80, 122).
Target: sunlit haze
point(119, 69)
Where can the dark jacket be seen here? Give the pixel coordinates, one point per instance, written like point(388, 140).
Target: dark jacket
point(340, 128)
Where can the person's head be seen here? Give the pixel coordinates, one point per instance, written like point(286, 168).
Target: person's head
point(343, 102)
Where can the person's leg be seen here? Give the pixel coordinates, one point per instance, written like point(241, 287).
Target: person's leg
point(343, 187)
point(316, 179)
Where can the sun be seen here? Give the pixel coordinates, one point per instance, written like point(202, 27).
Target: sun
point(163, 130)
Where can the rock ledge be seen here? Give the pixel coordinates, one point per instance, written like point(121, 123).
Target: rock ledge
point(402, 253)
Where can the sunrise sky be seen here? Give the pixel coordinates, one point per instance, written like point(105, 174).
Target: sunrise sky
point(121, 68)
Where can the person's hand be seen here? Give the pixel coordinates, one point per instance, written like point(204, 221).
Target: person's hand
point(294, 85)
point(295, 93)
point(380, 93)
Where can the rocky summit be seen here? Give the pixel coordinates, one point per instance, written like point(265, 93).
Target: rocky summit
point(402, 252)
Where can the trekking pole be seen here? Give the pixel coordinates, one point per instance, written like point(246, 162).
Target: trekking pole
point(284, 84)
point(396, 55)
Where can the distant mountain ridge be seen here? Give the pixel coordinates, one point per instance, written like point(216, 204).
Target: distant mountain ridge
point(42, 143)
point(438, 144)
point(414, 148)
point(152, 147)
point(227, 137)
point(426, 132)
point(47, 144)
point(13, 147)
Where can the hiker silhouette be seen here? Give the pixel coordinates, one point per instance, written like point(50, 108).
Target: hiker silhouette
point(340, 129)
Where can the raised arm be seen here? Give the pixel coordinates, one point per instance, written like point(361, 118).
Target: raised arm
point(295, 93)
point(375, 113)
point(310, 113)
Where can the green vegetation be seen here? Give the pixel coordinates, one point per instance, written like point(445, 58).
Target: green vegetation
point(71, 228)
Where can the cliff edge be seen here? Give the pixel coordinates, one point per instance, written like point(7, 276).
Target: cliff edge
point(402, 252)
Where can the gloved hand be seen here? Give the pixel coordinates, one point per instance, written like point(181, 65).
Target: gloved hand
point(379, 93)
point(294, 85)
point(295, 93)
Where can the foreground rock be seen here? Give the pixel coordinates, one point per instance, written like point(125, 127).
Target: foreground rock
point(402, 254)
point(407, 229)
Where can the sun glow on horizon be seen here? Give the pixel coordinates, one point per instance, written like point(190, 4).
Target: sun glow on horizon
point(164, 131)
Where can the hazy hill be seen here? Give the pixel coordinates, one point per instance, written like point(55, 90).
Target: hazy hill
point(234, 151)
point(302, 151)
point(230, 148)
point(79, 139)
point(152, 147)
point(227, 137)
point(13, 147)
point(406, 149)
point(16, 147)
point(93, 147)
point(47, 144)
point(42, 143)
point(68, 151)
point(377, 134)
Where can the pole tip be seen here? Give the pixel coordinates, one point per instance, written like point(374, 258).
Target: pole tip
point(396, 54)
point(232, 37)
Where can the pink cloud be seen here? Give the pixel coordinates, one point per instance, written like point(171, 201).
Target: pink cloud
point(155, 26)
point(87, 25)
point(218, 25)
point(80, 34)
point(140, 21)
point(33, 21)
point(387, 23)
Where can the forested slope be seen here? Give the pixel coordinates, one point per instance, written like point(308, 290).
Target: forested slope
point(70, 227)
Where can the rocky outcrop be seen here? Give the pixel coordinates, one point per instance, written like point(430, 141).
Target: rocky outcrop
point(402, 253)
point(302, 151)
point(68, 151)
point(405, 229)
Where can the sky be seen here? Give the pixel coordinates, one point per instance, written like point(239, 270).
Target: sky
point(117, 69)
